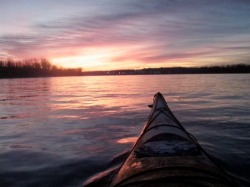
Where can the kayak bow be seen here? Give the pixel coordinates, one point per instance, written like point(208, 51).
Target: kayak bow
point(165, 154)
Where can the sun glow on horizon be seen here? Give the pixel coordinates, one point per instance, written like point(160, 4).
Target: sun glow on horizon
point(87, 62)
point(121, 57)
point(92, 59)
point(105, 62)
point(99, 59)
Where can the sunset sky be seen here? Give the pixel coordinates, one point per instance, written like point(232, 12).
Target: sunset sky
point(126, 34)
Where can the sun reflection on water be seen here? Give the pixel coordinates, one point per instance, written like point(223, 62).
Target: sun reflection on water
point(127, 140)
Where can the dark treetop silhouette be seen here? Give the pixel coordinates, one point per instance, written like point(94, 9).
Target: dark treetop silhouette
point(34, 68)
point(43, 68)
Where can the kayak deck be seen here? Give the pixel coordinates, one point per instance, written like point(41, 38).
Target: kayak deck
point(165, 154)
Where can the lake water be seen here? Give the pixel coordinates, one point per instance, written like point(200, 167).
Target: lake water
point(60, 131)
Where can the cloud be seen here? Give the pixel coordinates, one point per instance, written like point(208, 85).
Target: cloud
point(145, 31)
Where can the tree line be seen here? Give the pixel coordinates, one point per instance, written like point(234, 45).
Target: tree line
point(43, 68)
point(235, 68)
point(34, 68)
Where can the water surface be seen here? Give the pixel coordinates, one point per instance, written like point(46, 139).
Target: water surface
point(60, 131)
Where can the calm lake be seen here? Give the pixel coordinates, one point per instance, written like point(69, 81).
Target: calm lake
point(60, 131)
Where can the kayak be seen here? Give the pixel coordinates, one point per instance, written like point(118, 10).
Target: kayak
point(165, 154)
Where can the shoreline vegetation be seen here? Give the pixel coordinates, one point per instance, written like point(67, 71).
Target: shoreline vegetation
point(236, 68)
point(34, 68)
point(43, 68)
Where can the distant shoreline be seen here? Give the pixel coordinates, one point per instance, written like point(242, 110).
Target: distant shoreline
point(89, 75)
point(229, 69)
point(34, 68)
point(42, 68)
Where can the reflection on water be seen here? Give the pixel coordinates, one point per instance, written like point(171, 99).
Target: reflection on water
point(67, 128)
point(127, 140)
